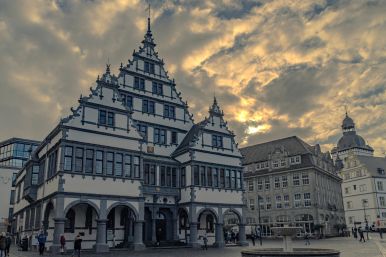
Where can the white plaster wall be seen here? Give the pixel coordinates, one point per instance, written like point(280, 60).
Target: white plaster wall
point(217, 159)
point(5, 191)
point(185, 195)
point(98, 185)
point(218, 196)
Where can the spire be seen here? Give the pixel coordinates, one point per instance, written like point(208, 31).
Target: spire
point(148, 41)
point(215, 109)
point(108, 68)
point(148, 21)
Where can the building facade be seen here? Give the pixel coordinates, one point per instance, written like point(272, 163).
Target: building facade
point(289, 182)
point(14, 152)
point(129, 166)
point(364, 179)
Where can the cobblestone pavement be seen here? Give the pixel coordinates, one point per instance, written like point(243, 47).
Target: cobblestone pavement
point(349, 247)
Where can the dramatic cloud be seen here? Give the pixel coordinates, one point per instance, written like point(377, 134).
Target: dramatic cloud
point(278, 68)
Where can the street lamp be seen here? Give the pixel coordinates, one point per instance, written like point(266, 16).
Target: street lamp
point(260, 228)
point(364, 202)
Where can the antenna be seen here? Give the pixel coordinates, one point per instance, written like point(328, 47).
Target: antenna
point(345, 107)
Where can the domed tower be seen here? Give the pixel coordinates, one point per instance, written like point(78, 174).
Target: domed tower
point(350, 142)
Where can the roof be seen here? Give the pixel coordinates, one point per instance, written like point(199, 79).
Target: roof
point(18, 140)
point(189, 137)
point(348, 123)
point(373, 164)
point(260, 152)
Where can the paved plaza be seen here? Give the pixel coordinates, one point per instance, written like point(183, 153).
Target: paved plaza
point(349, 247)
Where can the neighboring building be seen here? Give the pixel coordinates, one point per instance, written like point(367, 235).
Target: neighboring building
point(289, 182)
point(129, 163)
point(350, 142)
point(364, 190)
point(364, 179)
point(14, 153)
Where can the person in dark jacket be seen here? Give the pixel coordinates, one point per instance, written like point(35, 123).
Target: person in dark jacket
point(62, 244)
point(2, 244)
point(8, 242)
point(42, 238)
point(361, 235)
point(77, 245)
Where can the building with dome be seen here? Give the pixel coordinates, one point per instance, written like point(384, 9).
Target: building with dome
point(130, 168)
point(350, 142)
point(363, 179)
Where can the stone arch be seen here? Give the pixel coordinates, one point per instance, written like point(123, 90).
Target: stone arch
point(49, 208)
point(211, 210)
point(238, 214)
point(127, 204)
point(77, 202)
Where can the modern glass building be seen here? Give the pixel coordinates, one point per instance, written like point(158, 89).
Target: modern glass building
point(14, 152)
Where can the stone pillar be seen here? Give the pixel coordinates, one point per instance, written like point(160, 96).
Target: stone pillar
point(101, 246)
point(130, 238)
point(138, 244)
point(193, 235)
point(153, 229)
point(219, 236)
point(175, 227)
point(242, 237)
point(58, 231)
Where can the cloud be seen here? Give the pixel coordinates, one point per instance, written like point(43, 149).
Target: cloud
point(278, 68)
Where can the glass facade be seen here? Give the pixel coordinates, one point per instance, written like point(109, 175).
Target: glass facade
point(15, 152)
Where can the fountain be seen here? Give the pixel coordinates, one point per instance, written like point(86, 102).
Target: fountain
point(287, 233)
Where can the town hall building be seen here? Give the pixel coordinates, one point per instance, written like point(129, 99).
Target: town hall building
point(129, 167)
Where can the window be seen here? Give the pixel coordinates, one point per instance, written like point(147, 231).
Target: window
point(209, 174)
point(69, 225)
point(163, 176)
point(127, 167)
point(284, 181)
point(109, 163)
point(305, 179)
point(347, 190)
point(78, 159)
point(296, 180)
point(99, 162)
point(169, 111)
point(349, 205)
point(277, 182)
point(174, 138)
point(127, 100)
point(89, 161)
point(215, 177)
point(152, 174)
point(267, 184)
point(259, 184)
point(157, 88)
point(196, 176)
point(239, 184)
point(52, 161)
point(118, 164)
point(142, 129)
point(251, 204)
point(102, 117)
point(250, 186)
point(68, 158)
point(137, 172)
point(222, 178)
point(146, 173)
point(35, 175)
point(381, 171)
point(168, 176)
point(382, 201)
point(159, 136)
point(111, 119)
point(203, 177)
point(217, 141)
point(297, 200)
point(380, 185)
point(183, 177)
point(139, 83)
point(275, 164)
point(286, 201)
point(233, 178)
point(278, 202)
point(149, 67)
point(148, 106)
point(174, 177)
point(307, 199)
point(227, 178)
point(362, 188)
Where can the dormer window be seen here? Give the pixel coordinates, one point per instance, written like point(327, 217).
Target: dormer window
point(148, 106)
point(139, 83)
point(217, 141)
point(381, 171)
point(169, 111)
point(149, 67)
point(157, 88)
point(127, 100)
point(106, 118)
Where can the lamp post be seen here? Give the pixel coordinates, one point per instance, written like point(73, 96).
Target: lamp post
point(260, 228)
point(364, 202)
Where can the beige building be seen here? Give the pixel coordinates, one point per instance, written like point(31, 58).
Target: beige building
point(289, 182)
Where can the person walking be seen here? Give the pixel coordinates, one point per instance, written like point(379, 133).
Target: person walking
point(253, 239)
point(355, 233)
point(2, 245)
point(77, 245)
point(62, 244)
point(205, 239)
point(42, 238)
point(307, 238)
point(380, 233)
point(361, 235)
point(8, 242)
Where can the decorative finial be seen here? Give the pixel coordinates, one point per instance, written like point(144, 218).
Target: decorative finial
point(345, 107)
point(108, 66)
point(148, 19)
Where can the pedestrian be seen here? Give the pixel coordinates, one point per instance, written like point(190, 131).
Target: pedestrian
point(8, 242)
point(307, 238)
point(367, 231)
point(355, 233)
point(233, 237)
point(361, 235)
point(42, 238)
point(253, 239)
point(205, 239)
point(77, 245)
point(2, 245)
point(380, 233)
point(62, 244)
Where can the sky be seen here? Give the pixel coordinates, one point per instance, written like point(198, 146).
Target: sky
point(278, 68)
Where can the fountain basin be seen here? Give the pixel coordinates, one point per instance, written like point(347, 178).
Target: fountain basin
point(298, 252)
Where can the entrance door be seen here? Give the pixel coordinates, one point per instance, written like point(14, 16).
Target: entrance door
point(161, 229)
